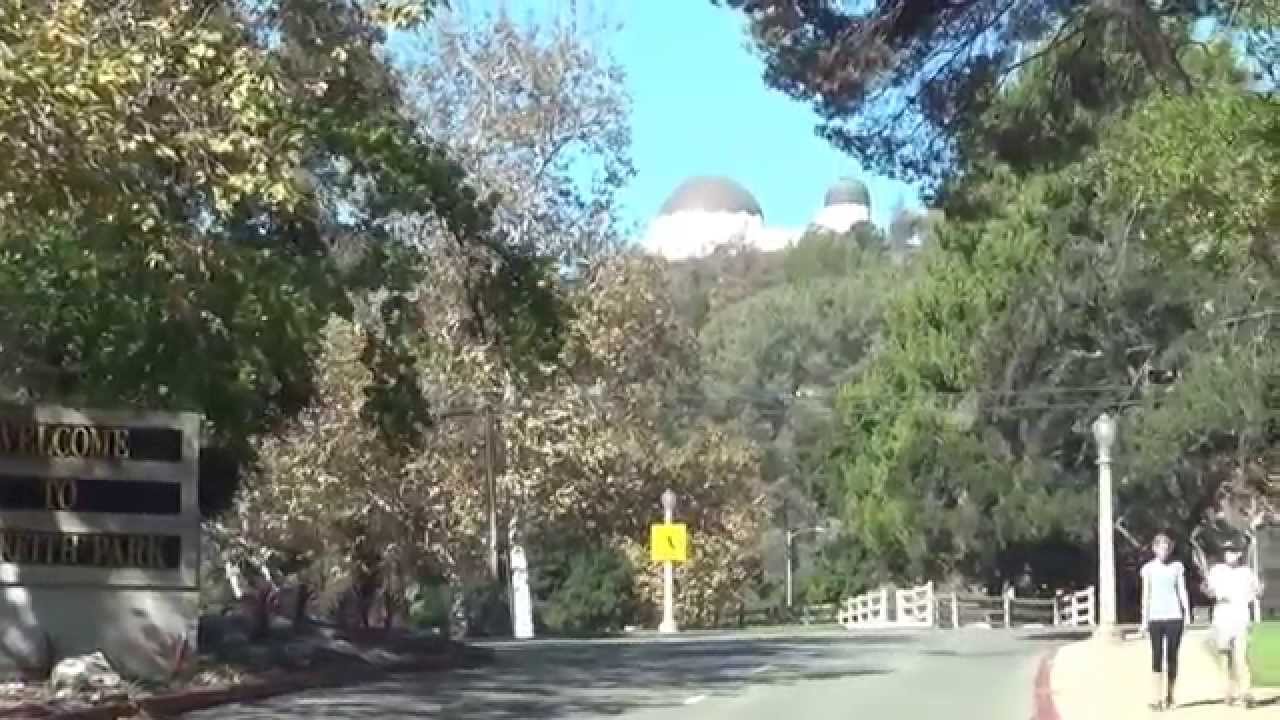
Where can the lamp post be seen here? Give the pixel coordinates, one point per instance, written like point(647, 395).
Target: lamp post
point(1104, 433)
point(668, 624)
point(791, 536)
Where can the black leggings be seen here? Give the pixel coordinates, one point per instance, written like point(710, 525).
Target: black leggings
point(1160, 631)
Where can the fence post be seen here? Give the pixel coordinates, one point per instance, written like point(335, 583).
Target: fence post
point(1055, 608)
point(955, 611)
point(932, 606)
point(1093, 605)
point(1008, 607)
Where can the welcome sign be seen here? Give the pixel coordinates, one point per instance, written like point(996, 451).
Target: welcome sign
point(99, 536)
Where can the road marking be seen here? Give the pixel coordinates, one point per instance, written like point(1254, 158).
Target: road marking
point(694, 700)
point(762, 668)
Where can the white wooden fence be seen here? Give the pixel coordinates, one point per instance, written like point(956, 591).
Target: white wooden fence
point(921, 606)
point(866, 610)
point(1077, 608)
point(916, 605)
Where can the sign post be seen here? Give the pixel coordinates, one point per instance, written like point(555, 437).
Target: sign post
point(668, 544)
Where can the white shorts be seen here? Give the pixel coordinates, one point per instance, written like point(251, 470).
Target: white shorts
point(1227, 636)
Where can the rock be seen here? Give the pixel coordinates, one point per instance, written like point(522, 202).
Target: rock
point(83, 672)
point(11, 689)
point(302, 653)
point(219, 630)
point(342, 646)
point(28, 648)
point(378, 656)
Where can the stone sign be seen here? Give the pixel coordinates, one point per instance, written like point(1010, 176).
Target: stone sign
point(99, 538)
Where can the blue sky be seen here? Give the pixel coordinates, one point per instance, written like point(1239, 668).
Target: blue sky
point(700, 107)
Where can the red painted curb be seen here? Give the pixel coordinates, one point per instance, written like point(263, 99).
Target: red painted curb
point(1042, 700)
point(266, 686)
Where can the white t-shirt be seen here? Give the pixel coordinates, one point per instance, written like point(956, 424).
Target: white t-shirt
point(1234, 588)
point(1162, 581)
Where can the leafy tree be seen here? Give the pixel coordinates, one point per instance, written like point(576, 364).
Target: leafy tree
point(896, 83)
point(615, 424)
point(522, 106)
point(773, 360)
point(201, 190)
point(733, 271)
point(1045, 300)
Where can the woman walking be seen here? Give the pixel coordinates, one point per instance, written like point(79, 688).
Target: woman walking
point(1165, 612)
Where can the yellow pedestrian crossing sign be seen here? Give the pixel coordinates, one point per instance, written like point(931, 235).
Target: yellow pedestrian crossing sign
point(669, 542)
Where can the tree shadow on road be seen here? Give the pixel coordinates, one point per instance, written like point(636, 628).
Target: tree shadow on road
point(554, 681)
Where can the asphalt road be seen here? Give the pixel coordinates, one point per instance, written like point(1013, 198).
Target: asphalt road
point(792, 675)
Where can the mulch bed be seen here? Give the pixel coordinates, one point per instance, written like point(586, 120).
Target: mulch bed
point(377, 654)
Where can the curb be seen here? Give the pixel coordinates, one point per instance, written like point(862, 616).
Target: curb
point(267, 685)
point(1043, 707)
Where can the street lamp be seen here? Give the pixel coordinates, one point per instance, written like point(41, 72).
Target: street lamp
point(791, 536)
point(668, 624)
point(1104, 433)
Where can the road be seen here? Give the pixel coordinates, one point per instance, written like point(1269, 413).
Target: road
point(792, 675)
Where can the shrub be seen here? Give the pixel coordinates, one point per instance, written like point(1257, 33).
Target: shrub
point(596, 596)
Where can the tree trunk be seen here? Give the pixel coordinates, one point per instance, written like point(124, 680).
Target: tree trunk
point(457, 612)
point(301, 601)
point(1153, 44)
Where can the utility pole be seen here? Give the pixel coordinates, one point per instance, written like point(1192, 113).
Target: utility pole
point(491, 487)
point(791, 537)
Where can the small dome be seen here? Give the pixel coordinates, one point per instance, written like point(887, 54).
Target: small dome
point(711, 194)
point(847, 191)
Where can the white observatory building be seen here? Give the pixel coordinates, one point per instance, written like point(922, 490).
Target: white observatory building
point(706, 212)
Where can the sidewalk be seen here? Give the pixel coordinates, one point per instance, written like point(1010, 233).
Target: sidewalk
point(1094, 680)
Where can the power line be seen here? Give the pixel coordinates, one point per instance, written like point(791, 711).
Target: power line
point(773, 404)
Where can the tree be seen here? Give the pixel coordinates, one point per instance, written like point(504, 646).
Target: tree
point(524, 107)
point(194, 201)
point(330, 501)
point(616, 423)
point(1051, 296)
point(897, 82)
point(773, 360)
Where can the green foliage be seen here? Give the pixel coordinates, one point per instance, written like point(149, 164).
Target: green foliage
point(1044, 301)
point(596, 595)
point(820, 254)
point(488, 609)
point(1197, 172)
point(429, 606)
point(899, 83)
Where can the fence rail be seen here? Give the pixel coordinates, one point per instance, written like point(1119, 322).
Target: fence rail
point(916, 606)
point(866, 610)
point(922, 606)
point(1077, 608)
point(970, 610)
